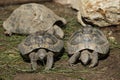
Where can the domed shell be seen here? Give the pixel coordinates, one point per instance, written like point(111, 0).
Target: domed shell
point(30, 18)
point(88, 38)
point(40, 40)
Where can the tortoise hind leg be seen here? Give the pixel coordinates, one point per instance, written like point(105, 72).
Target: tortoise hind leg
point(94, 59)
point(58, 31)
point(73, 58)
point(50, 60)
point(33, 59)
point(85, 57)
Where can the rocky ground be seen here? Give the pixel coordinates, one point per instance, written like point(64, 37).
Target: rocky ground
point(13, 67)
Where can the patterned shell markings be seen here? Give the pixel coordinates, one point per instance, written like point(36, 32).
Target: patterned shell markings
point(30, 18)
point(88, 38)
point(38, 40)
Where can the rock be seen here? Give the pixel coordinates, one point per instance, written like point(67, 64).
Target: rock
point(99, 12)
point(72, 3)
point(63, 2)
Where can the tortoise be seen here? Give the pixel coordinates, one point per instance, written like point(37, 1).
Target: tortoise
point(32, 17)
point(41, 46)
point(86, 45)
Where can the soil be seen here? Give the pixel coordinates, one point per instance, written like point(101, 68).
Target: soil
point(107, 69)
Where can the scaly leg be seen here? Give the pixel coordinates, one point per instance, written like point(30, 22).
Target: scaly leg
point(33, 59)
point(50, 60)
point(94, 59)
point(58, 31)
point(73, 58)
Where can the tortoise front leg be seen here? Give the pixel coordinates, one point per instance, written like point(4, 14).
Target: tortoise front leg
point(73, 58)
point(50, 60)
point(94, 59)
point(8, 33)
point(33, 59)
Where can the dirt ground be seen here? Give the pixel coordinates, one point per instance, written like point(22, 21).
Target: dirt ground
point(107, 69)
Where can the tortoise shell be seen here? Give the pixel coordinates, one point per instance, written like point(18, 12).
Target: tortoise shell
point(30, 18)
point(40, 40)
point(88, 38)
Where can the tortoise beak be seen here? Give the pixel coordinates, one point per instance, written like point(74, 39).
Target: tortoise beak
point(42, 54)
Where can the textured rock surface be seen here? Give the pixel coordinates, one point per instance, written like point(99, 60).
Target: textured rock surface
point(62, 1)
point(72, 3)
point(100, 12)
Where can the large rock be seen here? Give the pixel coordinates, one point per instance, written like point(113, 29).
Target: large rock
point(63, 2)
point(72, 3)
point(99, 12)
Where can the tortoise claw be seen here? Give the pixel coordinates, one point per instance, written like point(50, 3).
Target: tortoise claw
point(50, 60)
point(33, 59)
point(47, 68)
point(94, 59)
point(92, 65)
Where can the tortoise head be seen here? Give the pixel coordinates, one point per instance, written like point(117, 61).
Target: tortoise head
point(41, 53)
point(85, 57)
